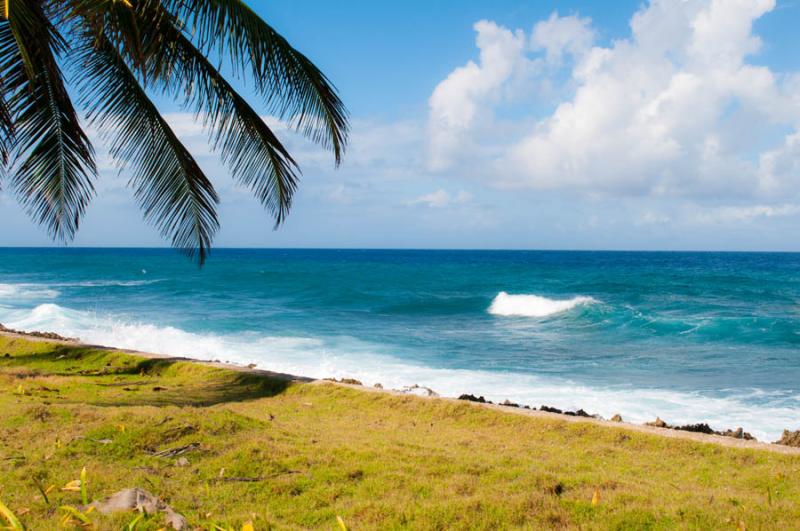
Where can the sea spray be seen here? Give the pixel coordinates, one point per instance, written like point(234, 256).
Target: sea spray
point(533, 305)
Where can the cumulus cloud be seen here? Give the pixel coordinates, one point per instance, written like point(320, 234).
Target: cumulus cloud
point(457, 101)
point(678, 108)
point(559, 35)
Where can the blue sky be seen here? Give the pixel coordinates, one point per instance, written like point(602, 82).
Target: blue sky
point(671, 124)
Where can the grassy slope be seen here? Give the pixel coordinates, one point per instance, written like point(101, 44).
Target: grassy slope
point(378, 460)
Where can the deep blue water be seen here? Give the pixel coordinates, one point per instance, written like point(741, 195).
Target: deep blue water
point(687, 336)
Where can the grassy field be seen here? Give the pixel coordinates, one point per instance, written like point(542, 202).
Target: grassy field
point(297, 455)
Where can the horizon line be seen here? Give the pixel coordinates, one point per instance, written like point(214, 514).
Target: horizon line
point(426, 249)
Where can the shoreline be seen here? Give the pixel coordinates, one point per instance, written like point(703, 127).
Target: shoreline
point(659, 427)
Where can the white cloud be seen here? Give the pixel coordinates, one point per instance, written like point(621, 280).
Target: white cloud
point(744, 214)
point(441, 199)
point(457, 101)
point(676, 109)
point(560, 35)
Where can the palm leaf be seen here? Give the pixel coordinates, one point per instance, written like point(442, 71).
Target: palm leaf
point(53, 158)
point(174, 192)
point(254, 154)
point(8, 52)
point(293, 88)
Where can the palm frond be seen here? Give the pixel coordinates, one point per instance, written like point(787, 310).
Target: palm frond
point(291, 85)
point(8, 51)
point(173, 190)
point(52, 156)
point(247, 145)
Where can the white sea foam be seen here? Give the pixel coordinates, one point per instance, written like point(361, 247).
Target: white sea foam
point(108, 283)
point(12, 293)
point(26, 292)
point(348, 357)
point(533, 305)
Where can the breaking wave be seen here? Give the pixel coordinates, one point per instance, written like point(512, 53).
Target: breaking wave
point(533, 305)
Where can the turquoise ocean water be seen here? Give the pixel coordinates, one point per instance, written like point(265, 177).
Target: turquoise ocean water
point(712, 337)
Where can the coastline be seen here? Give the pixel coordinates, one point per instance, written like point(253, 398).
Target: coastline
point(221, 445)
point(665, 431)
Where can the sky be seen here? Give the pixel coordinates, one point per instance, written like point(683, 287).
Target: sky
point(518, 124)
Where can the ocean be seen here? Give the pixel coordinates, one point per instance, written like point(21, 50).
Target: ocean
point(689, 337)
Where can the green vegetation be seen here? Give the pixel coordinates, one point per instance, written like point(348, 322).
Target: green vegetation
point(295, 455)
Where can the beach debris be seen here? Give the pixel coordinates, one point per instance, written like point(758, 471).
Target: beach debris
point(616, 418)
point(172, 452)
point(419, 390)
point(789, 438)
point(658, 423)
point(230, 479)
point(137, 499)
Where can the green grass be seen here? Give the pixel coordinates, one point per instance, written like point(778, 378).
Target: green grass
point(293, 455)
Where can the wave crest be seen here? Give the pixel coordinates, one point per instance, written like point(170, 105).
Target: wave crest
point(26, 292)
point(533, 305)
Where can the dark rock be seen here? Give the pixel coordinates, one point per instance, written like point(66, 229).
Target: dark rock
point(582, 413)
point(738, 433)
point(616, 418)
point(789, 438)
point(508, 403)
point(697, 428)
point(378, 386)
point(658, 423)
point(549, 409)
point(472, 398)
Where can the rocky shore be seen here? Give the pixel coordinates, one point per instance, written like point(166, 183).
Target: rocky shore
point(789, 437)
point(42, 335)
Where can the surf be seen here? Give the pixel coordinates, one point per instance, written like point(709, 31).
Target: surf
point(507, 305)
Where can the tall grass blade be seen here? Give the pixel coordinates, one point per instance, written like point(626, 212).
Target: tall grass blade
point(10, 517)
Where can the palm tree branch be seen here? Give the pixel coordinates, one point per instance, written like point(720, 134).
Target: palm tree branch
point(174, 192)
point(52, 156)
point(246, 143)
point(292, 86)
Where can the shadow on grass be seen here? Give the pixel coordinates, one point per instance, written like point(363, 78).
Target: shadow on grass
point(125, 379)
